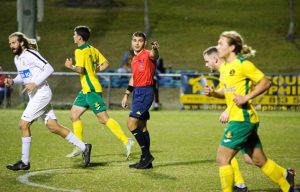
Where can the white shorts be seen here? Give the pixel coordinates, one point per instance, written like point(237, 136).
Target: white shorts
point(39, 106)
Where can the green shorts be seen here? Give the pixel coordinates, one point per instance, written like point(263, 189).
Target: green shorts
point(241, 136)
point(91, 100)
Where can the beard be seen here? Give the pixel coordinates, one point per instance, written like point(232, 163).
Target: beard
point(17, 51)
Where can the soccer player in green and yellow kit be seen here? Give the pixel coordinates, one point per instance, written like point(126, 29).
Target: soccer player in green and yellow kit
point(88, 61)
point(213, 62)
point(237, 79)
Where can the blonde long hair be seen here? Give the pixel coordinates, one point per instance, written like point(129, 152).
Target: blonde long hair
point(27, 43)
point(234, 38)
point(33, 44)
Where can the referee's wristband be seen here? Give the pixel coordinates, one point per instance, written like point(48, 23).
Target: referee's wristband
point(130, 88)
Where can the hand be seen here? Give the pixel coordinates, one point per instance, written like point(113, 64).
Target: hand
point(69, 63)
point(208, 90)
point(239, 99)
point(8, 82)
point(124, 102)
point(30, 87)
point(224, 117)
point(155, 45)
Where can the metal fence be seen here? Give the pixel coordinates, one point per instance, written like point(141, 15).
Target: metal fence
point(177, 91)
point(66, 85)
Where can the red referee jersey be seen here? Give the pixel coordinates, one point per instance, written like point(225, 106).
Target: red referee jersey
point(143, 69)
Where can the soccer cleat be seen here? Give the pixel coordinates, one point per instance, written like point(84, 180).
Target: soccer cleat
point(18, 166)
point(145, 163)
point(128, 147)
point(156, 106)
point(133, 165)
point(86, 154)
point(237, 189)
point(290, 178)
point(150, 166)
point(76, 151)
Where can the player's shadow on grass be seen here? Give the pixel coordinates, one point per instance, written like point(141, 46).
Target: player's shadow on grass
point(92, 165)
point(296, 189)
point(175, 163)
point(157, 176)
point(98, 164)
point(134, 155)
point(265, 190)
point(107, 154)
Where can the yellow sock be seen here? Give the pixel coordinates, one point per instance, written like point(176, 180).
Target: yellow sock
point(116, 130)
point(226, 176)
point(238, 178)
point(276, 174)
point(77, 127)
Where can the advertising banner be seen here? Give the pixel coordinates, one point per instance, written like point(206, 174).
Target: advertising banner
point(284, 94)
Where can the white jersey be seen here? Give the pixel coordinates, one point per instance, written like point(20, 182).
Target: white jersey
point(30, 65)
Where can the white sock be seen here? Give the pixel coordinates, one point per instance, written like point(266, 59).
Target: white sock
point(241, 186)
point(75, 141)
point(26, 149)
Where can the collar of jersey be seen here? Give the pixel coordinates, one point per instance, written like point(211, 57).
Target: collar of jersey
point(140, 52)
point(84, 46)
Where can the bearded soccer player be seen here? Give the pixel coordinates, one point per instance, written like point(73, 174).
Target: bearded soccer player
point(33, 71)
point(88, 61)
point(143, 67)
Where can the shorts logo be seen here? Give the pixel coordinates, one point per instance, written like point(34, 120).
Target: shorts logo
point(25, 74)
point(97, 106)
point(228, 135)
point(138, 113)
point(227, 140)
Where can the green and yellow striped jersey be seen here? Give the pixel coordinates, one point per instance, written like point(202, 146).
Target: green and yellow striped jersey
point(89, 58)
point(239, 77)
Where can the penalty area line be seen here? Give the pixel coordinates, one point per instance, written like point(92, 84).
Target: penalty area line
point(25, 180)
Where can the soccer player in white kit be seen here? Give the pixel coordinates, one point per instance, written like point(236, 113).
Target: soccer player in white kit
point(33, 70)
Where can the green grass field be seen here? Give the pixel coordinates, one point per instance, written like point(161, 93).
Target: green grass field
point(184, 144)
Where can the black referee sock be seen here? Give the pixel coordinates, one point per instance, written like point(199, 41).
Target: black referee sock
point(139, 136)
point(147, 138)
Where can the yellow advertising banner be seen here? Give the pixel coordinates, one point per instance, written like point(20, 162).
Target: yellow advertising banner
point(267, 99)
point(283, 94)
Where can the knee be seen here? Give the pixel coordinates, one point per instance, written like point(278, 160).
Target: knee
point(221, 160)
point(103, 117)
point(102, 121)
point(23, 126)
point(248, 159)
point(53, 127)
point(258, 161)
point(131, 125)
point(74, 115)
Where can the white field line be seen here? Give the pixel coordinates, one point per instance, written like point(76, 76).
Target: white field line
point(25, 180)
